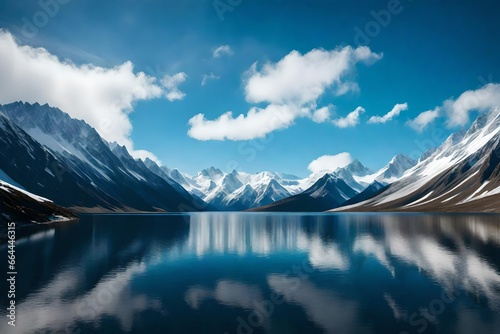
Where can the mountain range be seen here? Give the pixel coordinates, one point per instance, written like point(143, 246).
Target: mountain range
point(236, 191)
point(46, 152)
point(66, 160)
point(463, 174)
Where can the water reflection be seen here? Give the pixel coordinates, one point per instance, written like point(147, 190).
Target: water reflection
point(212, 272)
point(323, 307)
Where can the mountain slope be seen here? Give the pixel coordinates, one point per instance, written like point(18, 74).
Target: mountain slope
point(271, 192)
point(390, 173)
point(356, 168)
point(327, 193)
point(27, 209)
point(65, 159)
point(372, 190)
point(463, 174)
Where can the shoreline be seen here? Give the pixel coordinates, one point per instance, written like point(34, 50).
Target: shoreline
point(26, 228)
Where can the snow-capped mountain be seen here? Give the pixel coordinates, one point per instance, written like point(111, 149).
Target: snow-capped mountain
point(331, 188)
point(240, 191)
point(390, 173)
point(356, 168)
point(395, 169)
point(328, 192)
point(349, 174)
point(234, 190)
point(249, 196)
point(49, 153)
point(211, 173)
point(270, 193)
point(463, 174)
point(242, 199)
point(229, 184)
point(349, 178)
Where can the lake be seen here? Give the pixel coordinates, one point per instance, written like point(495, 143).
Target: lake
point(260, 273)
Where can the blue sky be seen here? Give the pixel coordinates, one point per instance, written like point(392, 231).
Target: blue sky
point(431, 52)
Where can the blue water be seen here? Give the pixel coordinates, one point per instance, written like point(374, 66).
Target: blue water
point(260, 273)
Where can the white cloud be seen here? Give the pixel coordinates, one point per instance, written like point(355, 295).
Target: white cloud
point(207, 77)
point(171, 83)
point(222, 50)
point(482, 99)
point(330, 163)
point(420, 122)
point(346, 87)
point(103, 97)
point(302, 79)
point(398, 108)
point(291, 87)
point(256, 124)
point(457, 111)
point(321, 115)
point(352, 119)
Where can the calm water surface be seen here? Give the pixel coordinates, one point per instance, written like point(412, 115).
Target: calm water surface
point(260, 273)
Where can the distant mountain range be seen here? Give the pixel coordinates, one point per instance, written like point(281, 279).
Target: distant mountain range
point(236, 191)
point(46, 152)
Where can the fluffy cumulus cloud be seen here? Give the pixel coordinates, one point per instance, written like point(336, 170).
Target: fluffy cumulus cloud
point(457, 111)
point(304, 78)
point(425, 118)
point(352, 119)
point(103, 97)
point(482, 99)
point(223, 50)
point(330, 163)
point(171, 84)
point(291, 87)
point(398, 108)
point(321, 115)
point(257, 123)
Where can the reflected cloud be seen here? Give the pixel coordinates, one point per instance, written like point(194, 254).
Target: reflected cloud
point(51, 310)
point(369, 246)
point(414, 240)
point(480, 277)
point(229, 293)
point(397, 311)
point(453, 264)
point(323, 256)
point(323, 307)
point(425, 254)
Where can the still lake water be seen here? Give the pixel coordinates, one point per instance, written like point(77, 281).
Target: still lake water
point(260, 273)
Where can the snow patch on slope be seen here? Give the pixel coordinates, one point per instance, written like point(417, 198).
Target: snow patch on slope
point(9, 187)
